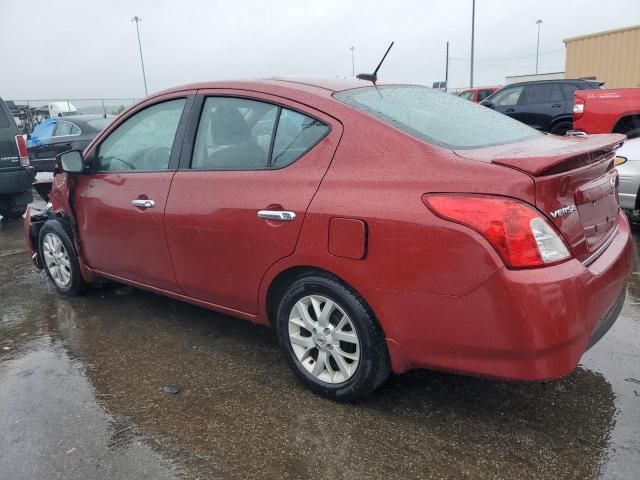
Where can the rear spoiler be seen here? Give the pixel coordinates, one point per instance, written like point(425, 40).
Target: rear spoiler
point(549, 154)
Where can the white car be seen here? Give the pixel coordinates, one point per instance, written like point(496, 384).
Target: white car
point(629, 173)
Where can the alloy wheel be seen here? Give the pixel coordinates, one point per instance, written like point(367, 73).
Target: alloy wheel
point(324, 339)
point(56, 259)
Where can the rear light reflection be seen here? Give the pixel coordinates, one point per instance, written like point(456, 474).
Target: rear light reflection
point(520, 234)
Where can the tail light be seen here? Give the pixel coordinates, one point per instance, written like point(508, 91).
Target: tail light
point(578, 108)
point(22, 150)
point(520, 234)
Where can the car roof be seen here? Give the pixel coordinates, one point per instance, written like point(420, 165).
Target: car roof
point(319, 85)
point(559, 80)
point(82, 118)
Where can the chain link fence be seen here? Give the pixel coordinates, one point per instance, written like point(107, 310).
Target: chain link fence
point(30, 112)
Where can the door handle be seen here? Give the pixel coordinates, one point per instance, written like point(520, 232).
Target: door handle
point(556, 105)
point(510, 110)
point(143, 203)
point(283, 215)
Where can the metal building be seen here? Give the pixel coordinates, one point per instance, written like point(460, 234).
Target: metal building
point(612, 57)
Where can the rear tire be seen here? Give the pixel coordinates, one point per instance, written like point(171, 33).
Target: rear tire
point(331, 339)
point(9, 210)
point(561, 128)
point(59, 258)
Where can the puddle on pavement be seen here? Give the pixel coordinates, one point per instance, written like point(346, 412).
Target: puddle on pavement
point(99, 363)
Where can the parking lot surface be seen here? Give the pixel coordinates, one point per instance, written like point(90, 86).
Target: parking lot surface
point(86, 392)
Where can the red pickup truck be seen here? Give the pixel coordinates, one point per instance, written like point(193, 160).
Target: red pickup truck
point(607, 111)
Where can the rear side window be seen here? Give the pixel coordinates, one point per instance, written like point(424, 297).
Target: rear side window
point(536, 94)
point(245, 134)
point(296, 134)
point(64, 128)
point(569, 90)
point(438, 118)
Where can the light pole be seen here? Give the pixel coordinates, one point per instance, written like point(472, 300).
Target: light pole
point(353, 63)
point(539, 22)
point(473, 27)
point(144, 76)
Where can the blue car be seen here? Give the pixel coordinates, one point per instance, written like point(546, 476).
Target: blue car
point(42, 132)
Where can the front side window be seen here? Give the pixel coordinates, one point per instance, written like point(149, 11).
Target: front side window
point(244, 134)
point(482, 94)
point(143, 141)
point(507, 97)
point(435, 117)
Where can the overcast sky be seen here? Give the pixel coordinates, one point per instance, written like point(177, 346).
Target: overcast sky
point(88, 48)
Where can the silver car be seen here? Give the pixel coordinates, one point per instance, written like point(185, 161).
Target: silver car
point(629, 173)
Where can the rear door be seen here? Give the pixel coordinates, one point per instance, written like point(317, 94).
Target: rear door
point(248, 172)
point(120, 203)
point(539, 104)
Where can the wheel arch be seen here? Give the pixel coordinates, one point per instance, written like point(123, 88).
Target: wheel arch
point(627, 122)
point(276, 284)
point(561, 119)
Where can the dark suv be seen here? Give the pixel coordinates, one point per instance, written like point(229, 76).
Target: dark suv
point(546, 105)
point(16, 175)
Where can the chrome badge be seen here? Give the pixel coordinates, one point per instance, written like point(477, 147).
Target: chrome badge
point(561, 212)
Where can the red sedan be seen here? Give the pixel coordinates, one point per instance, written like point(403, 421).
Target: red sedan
point(377, 228)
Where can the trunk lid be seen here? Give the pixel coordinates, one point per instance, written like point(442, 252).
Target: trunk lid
point(575, 183)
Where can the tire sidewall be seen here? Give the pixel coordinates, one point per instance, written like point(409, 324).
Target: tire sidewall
point(362, 321)
point(57, 228)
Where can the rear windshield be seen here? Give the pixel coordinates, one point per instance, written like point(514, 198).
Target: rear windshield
point(100, 123)
point(435, 117)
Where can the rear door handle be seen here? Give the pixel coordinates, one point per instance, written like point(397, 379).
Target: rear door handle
point(556, 105)
point(143, 203)
point(283, 215)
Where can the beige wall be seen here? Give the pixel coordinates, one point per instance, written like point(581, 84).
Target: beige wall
point(612, 57)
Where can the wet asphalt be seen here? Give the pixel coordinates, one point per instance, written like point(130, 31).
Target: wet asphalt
point(82, 397)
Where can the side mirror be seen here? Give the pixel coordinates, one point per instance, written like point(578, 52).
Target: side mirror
point(487, 104)
point(70, 161)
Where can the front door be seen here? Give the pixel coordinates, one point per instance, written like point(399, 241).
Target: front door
point(237, 203)
point(120, 203)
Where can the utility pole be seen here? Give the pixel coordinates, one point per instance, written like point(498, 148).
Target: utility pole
point(473, 28)
point(446, 70)
point(144, 76)
point(539, 22)
point(353, 63)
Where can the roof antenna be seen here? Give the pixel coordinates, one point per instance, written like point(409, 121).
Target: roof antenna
point(373, 77)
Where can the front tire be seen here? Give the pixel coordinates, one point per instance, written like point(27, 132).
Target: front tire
point(59, 258)
point(331, 339)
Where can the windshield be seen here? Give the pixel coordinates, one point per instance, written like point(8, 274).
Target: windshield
point(438, 118)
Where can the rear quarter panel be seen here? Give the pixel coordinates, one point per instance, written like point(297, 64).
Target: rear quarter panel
point(379, 176)
point(603, 108)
